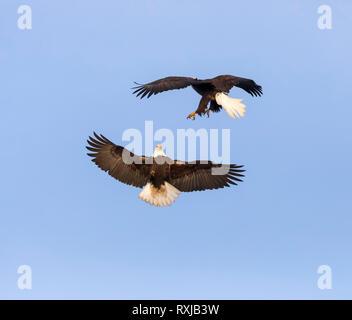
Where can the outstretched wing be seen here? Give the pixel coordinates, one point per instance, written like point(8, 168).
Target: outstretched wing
point(197, 176)
point(226, 82)
point(165, 84)
point(118, 161)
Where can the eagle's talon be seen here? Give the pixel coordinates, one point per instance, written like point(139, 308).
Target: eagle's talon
point(192, 115)
point(205, 112)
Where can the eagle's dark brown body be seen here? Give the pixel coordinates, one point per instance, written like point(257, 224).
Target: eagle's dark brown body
point(159, 172)
point(207, 88)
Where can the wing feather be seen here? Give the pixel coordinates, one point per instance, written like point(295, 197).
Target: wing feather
point(226, 82)
point(197, 176)
point(165, 84)
point(109, 157)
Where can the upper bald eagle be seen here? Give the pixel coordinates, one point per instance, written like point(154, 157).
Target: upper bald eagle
point(211, 90)
point(162, 178)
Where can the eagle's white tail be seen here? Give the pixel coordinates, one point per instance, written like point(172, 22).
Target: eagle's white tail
point(233, 107)
point(161, 197)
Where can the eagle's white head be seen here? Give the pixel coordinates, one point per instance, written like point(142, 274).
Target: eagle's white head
point(159, 151)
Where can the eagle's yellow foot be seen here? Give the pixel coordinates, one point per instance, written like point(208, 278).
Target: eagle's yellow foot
point(192, 115)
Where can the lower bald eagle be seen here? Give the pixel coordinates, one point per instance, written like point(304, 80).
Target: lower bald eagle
point(212, 90)
point(162, 178)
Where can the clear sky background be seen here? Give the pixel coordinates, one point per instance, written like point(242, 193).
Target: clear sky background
point(85, 235)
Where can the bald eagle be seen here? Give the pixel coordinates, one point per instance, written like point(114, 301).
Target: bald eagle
point(162, 178)
point(212, 90)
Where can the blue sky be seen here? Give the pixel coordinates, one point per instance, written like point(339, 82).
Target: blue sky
point(88, 236)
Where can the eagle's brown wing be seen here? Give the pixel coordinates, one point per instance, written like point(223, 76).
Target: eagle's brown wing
point(226, 82)
point(197, 176)
point(118, 161)
point(165, 84)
